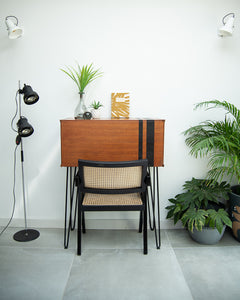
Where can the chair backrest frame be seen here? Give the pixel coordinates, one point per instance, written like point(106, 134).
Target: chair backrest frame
point(143, 163)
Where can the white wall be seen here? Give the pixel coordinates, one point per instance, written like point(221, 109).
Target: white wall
point(165, 53)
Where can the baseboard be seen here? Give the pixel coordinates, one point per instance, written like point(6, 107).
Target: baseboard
point(91, 223)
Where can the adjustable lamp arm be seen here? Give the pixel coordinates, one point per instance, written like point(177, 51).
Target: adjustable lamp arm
point(223, 19)
point(6, 19)
point(19, 99)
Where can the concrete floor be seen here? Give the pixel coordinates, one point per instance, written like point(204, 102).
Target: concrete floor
point(112, 266)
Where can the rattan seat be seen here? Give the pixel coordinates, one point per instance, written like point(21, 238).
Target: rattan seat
point(112, 199)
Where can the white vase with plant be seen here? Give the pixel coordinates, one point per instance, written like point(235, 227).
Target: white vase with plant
point(82, 76)
point(96, 109)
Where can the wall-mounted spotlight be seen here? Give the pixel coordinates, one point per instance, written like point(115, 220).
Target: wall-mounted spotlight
point(14, 31)
point(227, 28)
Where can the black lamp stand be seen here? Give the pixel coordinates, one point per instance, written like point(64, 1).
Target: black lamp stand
point(26, 234)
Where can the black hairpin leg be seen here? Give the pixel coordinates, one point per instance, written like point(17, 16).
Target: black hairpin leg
point(154, 205)
point(71, 219)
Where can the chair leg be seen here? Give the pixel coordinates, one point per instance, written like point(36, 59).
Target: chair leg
point(140, 222)
point(79, 233)
point(83, 222)
point(145, 242)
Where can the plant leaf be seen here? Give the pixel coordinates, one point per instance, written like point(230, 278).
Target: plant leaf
point(194, 218)
point(218, 219)
point(82, 76)
point(218, 140)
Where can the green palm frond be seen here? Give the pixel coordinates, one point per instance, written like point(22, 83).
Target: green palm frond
point(82, 76)
point(230, 108)
point(70, 73)
point(222, 164)
point(218, 140)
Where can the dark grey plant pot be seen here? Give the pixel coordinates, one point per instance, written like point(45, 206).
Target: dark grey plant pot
point(208, 235)
point(234, 210)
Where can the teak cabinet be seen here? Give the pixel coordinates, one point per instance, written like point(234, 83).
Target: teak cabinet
point(112, 140)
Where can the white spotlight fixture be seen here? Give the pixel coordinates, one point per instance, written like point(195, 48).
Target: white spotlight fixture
point(227, 28)
point(14, 31)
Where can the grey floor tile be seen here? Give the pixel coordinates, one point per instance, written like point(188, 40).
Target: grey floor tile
point(30, 273)
point(93, 239)
point(126, 274)
point(120, 239)
point(211, 272)
point(49, 238)
point(112, 266)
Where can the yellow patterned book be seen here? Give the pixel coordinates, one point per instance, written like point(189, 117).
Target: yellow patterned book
point(120, 105)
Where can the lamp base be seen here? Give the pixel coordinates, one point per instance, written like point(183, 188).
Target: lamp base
point(26, 235)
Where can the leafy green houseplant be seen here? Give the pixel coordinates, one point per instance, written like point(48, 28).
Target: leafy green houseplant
point(82, 76)
point(199, 205)
point(219, 141)
point(96, 105)
point(95, 109)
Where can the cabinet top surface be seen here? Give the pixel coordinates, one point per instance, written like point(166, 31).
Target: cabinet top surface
point(109, 119)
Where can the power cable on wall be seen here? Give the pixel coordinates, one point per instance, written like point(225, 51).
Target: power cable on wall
point(14, 194)
point(14, 169)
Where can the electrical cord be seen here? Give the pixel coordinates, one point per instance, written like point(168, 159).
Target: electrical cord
point(14, 117)
point(14, 195)
point(18, 141)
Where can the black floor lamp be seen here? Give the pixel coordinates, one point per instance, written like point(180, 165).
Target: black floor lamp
point(25, 130)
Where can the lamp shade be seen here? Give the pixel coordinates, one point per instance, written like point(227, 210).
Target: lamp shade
point(227, 28)
point(14, 31)
point(30, 97)
point(24, 128)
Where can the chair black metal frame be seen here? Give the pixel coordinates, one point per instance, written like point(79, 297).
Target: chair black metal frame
point(84, 190)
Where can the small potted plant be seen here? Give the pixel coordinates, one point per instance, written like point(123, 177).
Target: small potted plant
point(95, 109)
point(200, 208)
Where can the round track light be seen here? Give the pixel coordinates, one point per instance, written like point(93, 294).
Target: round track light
point(24, 128)
point(14, 31)
point(228, 25)
point(30, 97)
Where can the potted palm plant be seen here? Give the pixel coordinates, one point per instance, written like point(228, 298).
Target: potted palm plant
point(200, 208)
point(220, 142)
point(82, 76)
